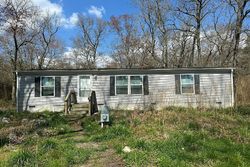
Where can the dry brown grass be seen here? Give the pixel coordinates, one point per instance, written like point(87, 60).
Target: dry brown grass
point(158, 124)
point(243, 90)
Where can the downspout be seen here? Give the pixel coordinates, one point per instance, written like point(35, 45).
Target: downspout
point(17, 90)
point(232, 86)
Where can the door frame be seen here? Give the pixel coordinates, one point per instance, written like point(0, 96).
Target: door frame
point(83, 99)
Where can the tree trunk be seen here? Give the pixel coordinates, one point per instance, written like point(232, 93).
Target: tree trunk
point(13, 94)
point(198, 43)
point(191, 59)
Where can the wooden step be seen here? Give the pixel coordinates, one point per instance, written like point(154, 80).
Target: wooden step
point(78, 112)
point(79, 109)
point(80, 105)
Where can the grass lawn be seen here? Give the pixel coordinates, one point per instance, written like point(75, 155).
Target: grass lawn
point(169, 137)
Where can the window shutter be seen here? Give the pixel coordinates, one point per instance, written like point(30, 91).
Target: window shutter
point(145, 85)
point(57, 86)
point(177, 84)
point(197, 84)
point(37, 86)
point(112, 85)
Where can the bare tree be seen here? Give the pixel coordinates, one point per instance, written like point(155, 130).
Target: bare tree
point(192, 13)
point(47, 45)
point(242, 10)
point(219, 37)
point(87, 43)
point(127, 42)
point(154, 22)
point(16, 20)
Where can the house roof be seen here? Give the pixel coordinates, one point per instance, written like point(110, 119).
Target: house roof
point(121, 71)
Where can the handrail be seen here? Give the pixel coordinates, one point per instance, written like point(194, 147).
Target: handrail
point(68, 100)
point(93, 103)
point(68, 95)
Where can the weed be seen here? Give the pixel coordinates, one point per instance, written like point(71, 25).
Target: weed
point(116, 131)
point(22, 158)
point(48, 145)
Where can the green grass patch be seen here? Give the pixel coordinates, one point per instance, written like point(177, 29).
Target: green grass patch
point(48, 152)
point(22, 158)
point(178, 137)
point(170, 137)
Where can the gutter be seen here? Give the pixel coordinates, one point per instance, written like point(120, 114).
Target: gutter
point(232, 87)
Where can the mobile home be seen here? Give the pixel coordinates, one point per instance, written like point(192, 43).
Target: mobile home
point(39, 90)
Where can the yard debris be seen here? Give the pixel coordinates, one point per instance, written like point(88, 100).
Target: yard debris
point(126, 149)
point(5, 120)
point(14, 138)
point(40, 122)
point(24, 121)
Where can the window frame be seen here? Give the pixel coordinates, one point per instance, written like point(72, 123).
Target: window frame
point(78, 84)
point(41, 86)
point(187, 84)
point(142, 88)
point(129, 85)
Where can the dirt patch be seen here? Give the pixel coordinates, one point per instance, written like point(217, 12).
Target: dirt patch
point(107, 158)
point(89, 145)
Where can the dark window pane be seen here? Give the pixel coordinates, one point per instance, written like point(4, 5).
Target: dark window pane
point(136, 89)
point(121, 89)
point(47, 91)
point(121, 80)
point(136, 80)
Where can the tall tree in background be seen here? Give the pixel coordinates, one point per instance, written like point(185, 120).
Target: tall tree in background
point(192, 13)
point(16, 21)
point(87, 43)
point(47, 44)
point(154, 23)
point(127, 42)
point(242, 10)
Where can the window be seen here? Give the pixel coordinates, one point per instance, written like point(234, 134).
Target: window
point(187, 83)
point(121, 85)
point(136, 84)
point(85, 86)
point(129, 85)
point(48, 86)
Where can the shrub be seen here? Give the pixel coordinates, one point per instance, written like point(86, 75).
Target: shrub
point(244, 110)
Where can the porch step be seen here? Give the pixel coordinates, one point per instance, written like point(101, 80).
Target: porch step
point(78, 112)
point(79, 109)
point(80, 105)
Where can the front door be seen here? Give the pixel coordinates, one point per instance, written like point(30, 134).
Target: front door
point(84, 88)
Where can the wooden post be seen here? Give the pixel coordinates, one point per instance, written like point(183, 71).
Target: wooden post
point(65, 107)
